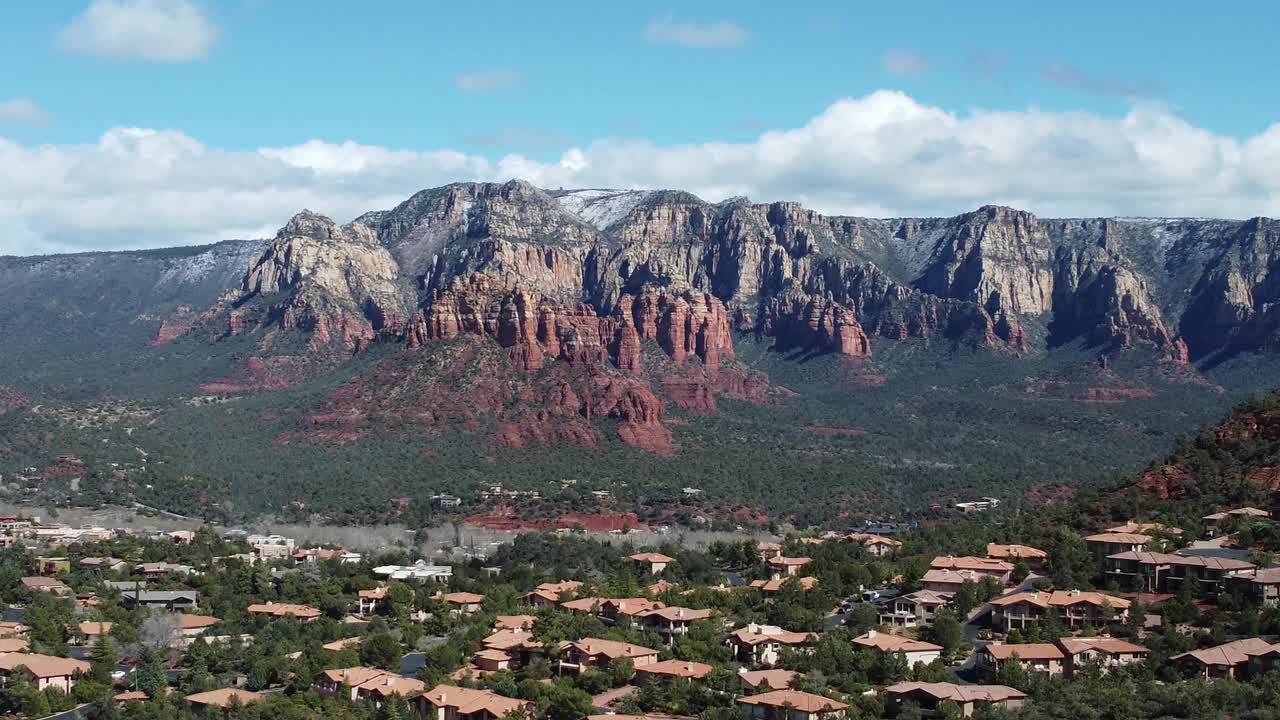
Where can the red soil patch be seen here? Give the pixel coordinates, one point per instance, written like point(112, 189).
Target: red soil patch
point(262, 375)
point(1059, 390)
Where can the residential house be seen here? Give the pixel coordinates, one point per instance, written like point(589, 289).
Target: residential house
point(463, 603)
point(1155, 572)
point(40, 583)
point(916, 652)
point(578, 655)
point(10, 628)
point(344, 681)
point(613, 610)
point(223, 698)
point(14, 645)
point(666, 672)
point(986, 503)
point(775, 585)
point(342, 644)
point(518, 644)
point(1263, 584)
point(1109, 543)
point(1145, 528)
point(1045, 658)
point(271, 547)
point(53, 565)
point(157, 570)
point(759, 681)
point(191, 627)
point(1226, 660)
point(928, 696)
point(1106, 652)
point(660, 587)
point(915, 609)
point(88, 633)
point(552, 593)
point(368, 601)
point(1033, 558)
point(378, 690)
point(489, 660)
point(514, 622)
point(102, 565)
point(166, 599)
point(768, 550)
point(302, 613)
point(1000, 570)
point(651, 562)
point(949, 581)
point(448, 702)
point(1074, 608)
point(877, 545)
point(49, 671)
point(787, 566)
point(758, 645)
point(671, 622)
point(182, 537)
point(791, 705)
point(1213, 520)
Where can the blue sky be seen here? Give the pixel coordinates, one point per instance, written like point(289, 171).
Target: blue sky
point(346, 104)
point(283, 71)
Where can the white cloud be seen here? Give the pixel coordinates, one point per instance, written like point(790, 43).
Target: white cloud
point(880, 155)
point(23, 111)
point(666, 30)
point(900, 61)
point(151, 30)
point(478, 81)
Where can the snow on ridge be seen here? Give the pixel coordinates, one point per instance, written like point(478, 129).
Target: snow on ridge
point(601, 207)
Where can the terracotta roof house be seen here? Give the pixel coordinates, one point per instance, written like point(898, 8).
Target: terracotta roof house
point(448, 702)
point(1110, 543)
point(514, 622)
point(769, 587)
point(791, 705)
point(660, 587)
point(578, 655)
point(1156, 572)
point(9, 628)
point(165, 599)
point(344, 681)
point(969, 697)
point(492, 660)
point(342, 644)
point(223, 698)
point(757, 681)
point(304, 613)
point(1213, 519)
point(1033, 558)
point(671, 622)
point(914, 609)
point(40, 583)
point(1225, 660)
point(550, 593)
point(652, 562)
point(368, 601)
point(14, 645)
point(50, 672)
point(1145, 528)
point(463, 602)
point(877, 545)
point(613, 609)
point(768, 550)
point(1263, 584)
point(758, 645)
point(1075, 608)
point(87, 633)
point(949, 581)
point(377, 690)
point(667, 671)
point(1033, 657)
point(998, 569)
point(917, 652)
point(788, 565)
point(1106, 652)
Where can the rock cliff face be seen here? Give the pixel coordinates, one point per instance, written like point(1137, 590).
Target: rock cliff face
point(593, 276)
point(339, 284)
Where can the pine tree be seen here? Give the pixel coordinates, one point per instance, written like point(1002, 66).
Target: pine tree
point(102, 660)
